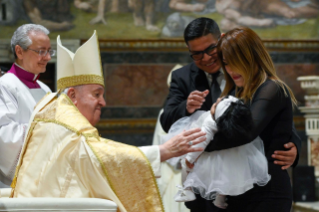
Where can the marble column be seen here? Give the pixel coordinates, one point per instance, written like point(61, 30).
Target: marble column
point(311, 109)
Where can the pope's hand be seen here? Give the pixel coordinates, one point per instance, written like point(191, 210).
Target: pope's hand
point(180, 144)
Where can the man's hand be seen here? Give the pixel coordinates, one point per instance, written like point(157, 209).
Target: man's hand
point(286, 158)
point(195, 100)
point(180, 144)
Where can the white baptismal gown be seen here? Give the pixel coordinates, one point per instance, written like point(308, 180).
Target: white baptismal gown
point(228, 172)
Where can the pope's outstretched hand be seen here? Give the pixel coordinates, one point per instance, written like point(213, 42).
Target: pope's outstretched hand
point(182, 144)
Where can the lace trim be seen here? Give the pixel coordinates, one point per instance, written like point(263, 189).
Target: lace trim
point(228, 190)
point(153, 177)
point(66, 82)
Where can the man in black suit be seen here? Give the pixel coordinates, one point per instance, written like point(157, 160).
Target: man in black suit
point(197, 86)
point(190, 84)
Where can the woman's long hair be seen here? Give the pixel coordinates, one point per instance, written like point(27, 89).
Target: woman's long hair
point(245, 53)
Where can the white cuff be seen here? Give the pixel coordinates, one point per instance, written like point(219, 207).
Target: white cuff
point(153, 155)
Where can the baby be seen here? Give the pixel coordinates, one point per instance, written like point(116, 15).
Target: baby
point(227, 172)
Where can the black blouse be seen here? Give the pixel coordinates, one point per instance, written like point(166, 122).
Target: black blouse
point(273, 121)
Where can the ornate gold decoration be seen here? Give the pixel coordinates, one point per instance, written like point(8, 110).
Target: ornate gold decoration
point(178, 45)
point(80, 80)
point(135, 126)
point(291, 45)
point(134, 166)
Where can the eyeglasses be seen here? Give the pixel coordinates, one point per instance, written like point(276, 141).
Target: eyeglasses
point(43, 53)
point(200, 54)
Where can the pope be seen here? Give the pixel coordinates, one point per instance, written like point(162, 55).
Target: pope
point(64, 156)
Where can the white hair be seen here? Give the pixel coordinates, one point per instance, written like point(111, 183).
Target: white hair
point(21, 36)
point(65, 91)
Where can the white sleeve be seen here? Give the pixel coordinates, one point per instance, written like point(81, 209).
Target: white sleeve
point(153, 155)
point(210, 128)
point(12, 132)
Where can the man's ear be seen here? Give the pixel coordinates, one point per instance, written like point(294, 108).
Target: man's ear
point(18, 50)
point(222, 35)
point(72, 95)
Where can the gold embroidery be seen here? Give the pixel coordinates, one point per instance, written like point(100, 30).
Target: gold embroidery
point(154, 178)
point(116, 151)
point(69, 101)
point(66, 82)
point(125, 168)
point(103, 167)
point(86, 135)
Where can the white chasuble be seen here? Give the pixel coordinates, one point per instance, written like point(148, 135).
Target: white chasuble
point(63, 156)
point(17, 102)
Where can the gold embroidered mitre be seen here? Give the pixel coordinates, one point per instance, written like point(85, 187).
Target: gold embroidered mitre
point(79, 68)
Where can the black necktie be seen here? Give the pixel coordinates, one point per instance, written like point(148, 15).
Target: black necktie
point(215, 89)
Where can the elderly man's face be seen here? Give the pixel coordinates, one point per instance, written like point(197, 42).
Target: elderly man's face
point(89, 100)
point(30, 59)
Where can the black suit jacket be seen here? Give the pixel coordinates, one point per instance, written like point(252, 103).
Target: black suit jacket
point(184, 80)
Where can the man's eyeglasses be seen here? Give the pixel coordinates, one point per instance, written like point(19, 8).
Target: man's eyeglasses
point(200, 54)
point(44, 53)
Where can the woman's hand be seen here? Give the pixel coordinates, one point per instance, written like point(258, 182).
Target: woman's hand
point(286, 158)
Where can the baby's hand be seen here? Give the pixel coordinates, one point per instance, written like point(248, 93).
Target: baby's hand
point(213, 108)
point(188, 164)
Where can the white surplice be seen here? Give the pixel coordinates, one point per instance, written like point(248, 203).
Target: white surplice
point(17, 102)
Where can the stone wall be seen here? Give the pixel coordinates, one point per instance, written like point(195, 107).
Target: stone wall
point(136, 89)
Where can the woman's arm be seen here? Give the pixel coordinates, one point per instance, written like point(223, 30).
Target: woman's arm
point(268, 101)
point(290, 156)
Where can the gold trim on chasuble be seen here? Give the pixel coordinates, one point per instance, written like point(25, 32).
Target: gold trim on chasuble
point(131, 177)
point(66, 82)
point(126, 168)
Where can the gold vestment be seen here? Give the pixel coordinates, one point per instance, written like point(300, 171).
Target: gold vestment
point(65, 157)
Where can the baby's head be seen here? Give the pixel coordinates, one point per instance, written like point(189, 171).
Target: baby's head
point(233, 118)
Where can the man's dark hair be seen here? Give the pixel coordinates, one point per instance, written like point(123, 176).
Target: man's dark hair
point(201, 27)
point(236, 121)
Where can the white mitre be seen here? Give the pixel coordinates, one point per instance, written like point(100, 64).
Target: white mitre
point(79, 68)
